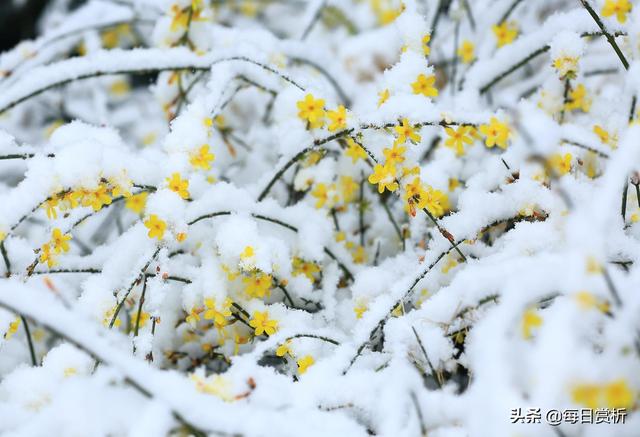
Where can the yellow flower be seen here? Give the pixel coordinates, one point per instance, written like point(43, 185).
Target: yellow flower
point(156, 227)
point(312, 111)
point(325, 195)
point(46, 256)
point(415, 196)
point(50, 207)
point(577, 99)
point(360, 309)
point(262, 323)
point(505, 33)
point(338, 119)
point(359, 256)
point(437, 202)
point(258, 284)
point(193, 317)
point(180, 19)
point(451, 263)
point(248, 256)
point(284, 349)
point(394, 155)
point(304, 363)
point(219, 316)
point(60, 241)
point(496, 133)
point(13, 328)
point(424, 85)
point(96, 198)
point(137, 202)
point(425, 44)
point(203, 158)
point(348, 188)
point(466, 51)
point(108, 315)
point(178, 185)
point(354, 151)
point(530, 320)
point(70, 200)
point(561, 164)
point(383, 96)
point(385, 177)
point(307, 268)
point(3, 235)
point(144, 318)
point(587, 395)
point(457, 138)
point(617, 394)
point(588, 301)
point(619, 8)
point(405, 131)
point(566, 66)
point(605, 137)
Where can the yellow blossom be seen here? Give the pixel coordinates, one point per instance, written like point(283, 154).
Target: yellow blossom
point(617, 394)
point(466, 51)
point(194, 316)
point(258, 284)
point(496, 133)
point(394, 155)
point(13, 328)
point(360, 308)
point(178, 185)
point(284, 349)
point(605, 136)
point(619, 8)
point(144, 318)
point(436, 201)
point(530, 320)
point(406, 131)
point(312, 111)
point(262, 324)
point(96, 198)
point(505, 33)
point(587, 395)
point(304, 363)
point(137, 202)
point(338, 119)
point(325, 195)
point(203, 158)
point(355, 151)
point(50, 206)
point(561, 164)
point(359, 256)
point(588, 301)
point(424, 85)
point(578, 99)
point(156, 227)
point(385, 177)
point(60, 241)
point(457, 138)
point(46, 256)
point(383, 96)
point(451, 263)
point(348, 188)
point(425, 44)
point(566, 66)
point(248, 256)
point(307, 268)
point(219, 316)
point(415, 195)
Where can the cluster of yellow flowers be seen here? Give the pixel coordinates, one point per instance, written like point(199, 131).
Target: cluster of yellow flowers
point(312, 111)
point(59, 243)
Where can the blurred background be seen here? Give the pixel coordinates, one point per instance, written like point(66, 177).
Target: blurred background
point(18, 20)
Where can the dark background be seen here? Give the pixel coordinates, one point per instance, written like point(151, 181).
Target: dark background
point(18, 23)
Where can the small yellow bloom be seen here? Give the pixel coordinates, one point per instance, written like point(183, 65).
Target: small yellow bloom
point(359, 256)
point(355, 151)
point(338, 119)
point(137, 202)
point(561, 164)
point(312, 111)
point(588, 301)
point(96, 198)
point(394, 155)
point(505, 33)
point(617, 394)
point(530, 320)
point(46, 256)
point(178, 185)
point(50, 207)
point(203, 158)
point(496, 133)
point(457, 138)
point(262, 323)
point(578, 99)
point(156, 227)
point(360, 308)
point(258, 284)
point(605, 136)
point(248, 256)
point(425, 44)
point(284, 349)
point(307, 268)
point(619, 8)
point(219, 316)
point(383, 96)
point(424, 85)
point(325, 195)
point(385, 177)
point(406, 131)
point(436, 201)
point(144, 318)
point(60, 241)
point(304, 363)
point(466, 51)
point(194, 316)
point(348, 188)
point(566, 66)
point(587, 395)
point(13, 328)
